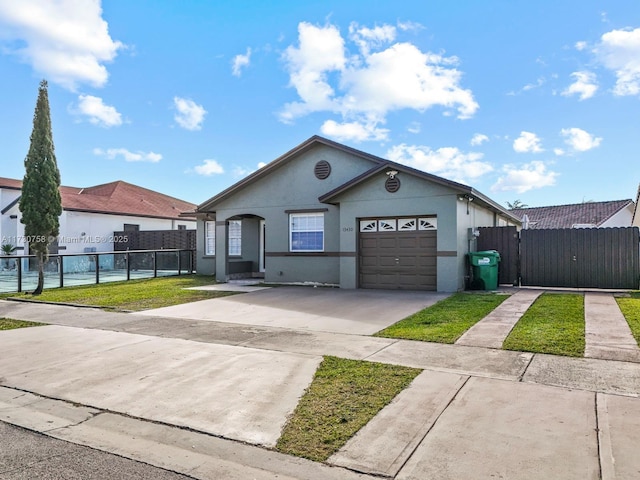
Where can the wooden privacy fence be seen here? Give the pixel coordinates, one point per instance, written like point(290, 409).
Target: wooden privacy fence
point(155, 240)
point(572, 257)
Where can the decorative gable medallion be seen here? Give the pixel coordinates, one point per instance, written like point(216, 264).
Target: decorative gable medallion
point(392, 184)
point(322, 170)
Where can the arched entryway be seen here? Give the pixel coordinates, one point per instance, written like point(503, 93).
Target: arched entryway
point(245, 247)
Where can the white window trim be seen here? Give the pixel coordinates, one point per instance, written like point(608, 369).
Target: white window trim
point(209, 252)
point(291, 231)
point(238, 237)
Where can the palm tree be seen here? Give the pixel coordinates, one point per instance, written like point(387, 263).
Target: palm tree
point(516, 204)
point(8, 249)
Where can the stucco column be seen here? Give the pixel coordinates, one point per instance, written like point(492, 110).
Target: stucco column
point(222, 234)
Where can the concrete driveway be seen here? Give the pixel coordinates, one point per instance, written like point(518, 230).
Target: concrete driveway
point(358, 312)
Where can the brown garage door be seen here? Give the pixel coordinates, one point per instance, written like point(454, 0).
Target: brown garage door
point(393, 255)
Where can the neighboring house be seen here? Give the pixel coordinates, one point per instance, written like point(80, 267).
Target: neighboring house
point(636, 211)
point(91, 215)
point(616, 213)
point(330, 214)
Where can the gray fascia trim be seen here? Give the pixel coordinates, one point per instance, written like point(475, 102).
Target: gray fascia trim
point(496, 206)
point(278, 162)
point(308, 210)
point(9, 206)
point(329, 197)
point(620, 208)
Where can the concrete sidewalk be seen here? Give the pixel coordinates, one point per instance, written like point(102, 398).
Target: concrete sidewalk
point(473, 413)
point(491, 331)
point(607, 333)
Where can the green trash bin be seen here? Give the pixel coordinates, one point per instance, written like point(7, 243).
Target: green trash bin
point(484, 267)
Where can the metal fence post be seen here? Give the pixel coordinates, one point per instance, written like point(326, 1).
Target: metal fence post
point(179, 262)
point(127, 261)
point(155, 264)
point(97, 268)
point(61, 267)
point(19, 263)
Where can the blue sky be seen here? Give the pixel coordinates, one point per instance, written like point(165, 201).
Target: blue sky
point(535, 101)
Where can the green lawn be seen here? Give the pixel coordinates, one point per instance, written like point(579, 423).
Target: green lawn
point(343, 397)
point(132, 295)
point(553, 324)
point(447, 320)
point(630, 307)
point(10, 324)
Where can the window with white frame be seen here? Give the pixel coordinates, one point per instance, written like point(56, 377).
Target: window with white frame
point(209, 238)
point(235, 237)
point(306, 232)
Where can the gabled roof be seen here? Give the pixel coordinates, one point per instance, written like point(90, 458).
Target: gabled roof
point(280, 161)
point(330, 197)
point(116, 198)
point(567, 216)
point(378, 164)
point(10, 183)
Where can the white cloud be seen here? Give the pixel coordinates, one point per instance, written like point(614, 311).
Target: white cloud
point(478, 139)
point(581, 45)
point(448, 162)
point(404, 77)
point(527, 177)
point(585, 85)
point(538, 83)
point(209, 167)
point(414, 127)
point(619, 51)
point(558, 151)
point(353, 131)
point(529, 86)
point(368, 38)
point(66, 41)
point(128, 155)
point(98, 113)
point(580, 140)
point(410, 26)
point(239, 62)
point(243, 172)
point(190, 115)
point(364, 87)
point(527, 142)
point(320, 51)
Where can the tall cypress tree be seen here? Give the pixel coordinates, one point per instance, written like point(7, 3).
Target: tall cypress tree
point(40, 202)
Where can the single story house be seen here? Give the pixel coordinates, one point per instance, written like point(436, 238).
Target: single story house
point(615, 213)
point(327, 213)
point(91, 215)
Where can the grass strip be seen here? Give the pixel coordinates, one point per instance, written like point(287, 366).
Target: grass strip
point(10, 324)
point(630, 308)
point(553, 324)
point(447, 320)
point(132, 295)
point(343, 396)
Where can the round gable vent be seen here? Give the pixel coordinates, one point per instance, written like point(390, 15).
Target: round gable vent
point(322, 169)
point(392, 184)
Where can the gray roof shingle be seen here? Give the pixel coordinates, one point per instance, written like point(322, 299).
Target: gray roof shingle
point(566, 216)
